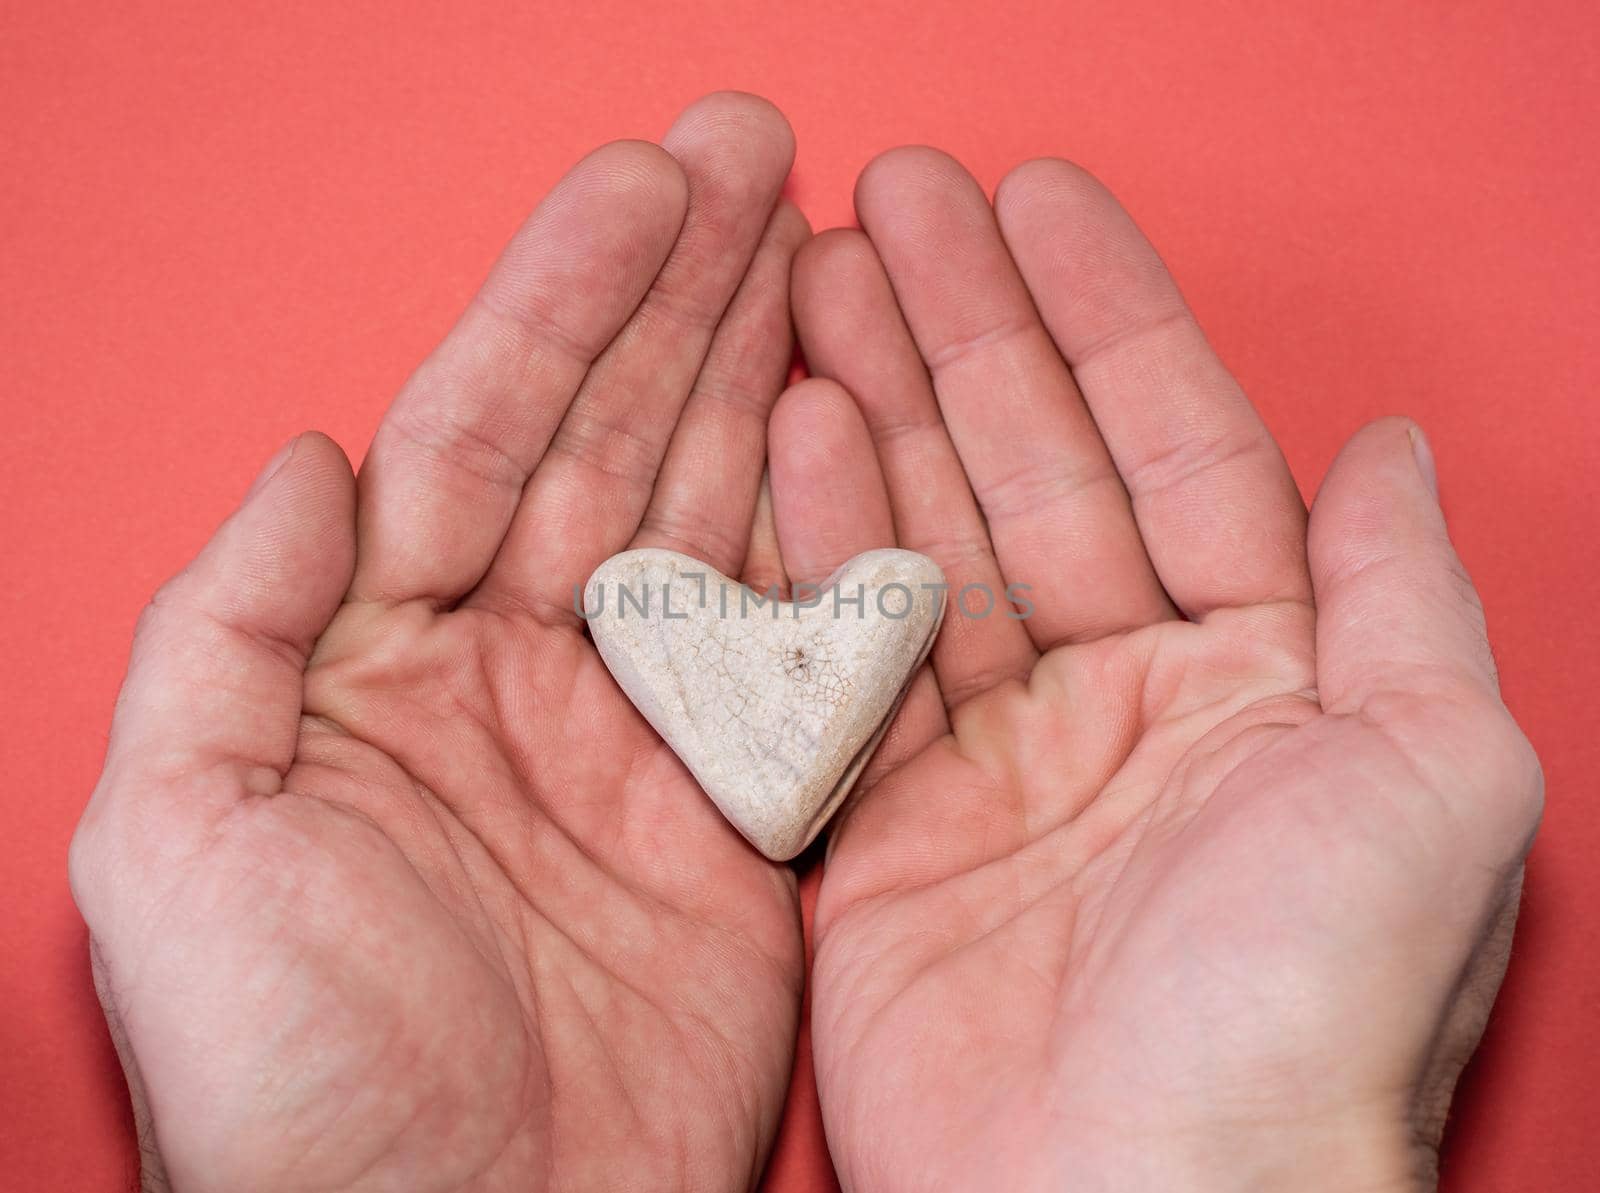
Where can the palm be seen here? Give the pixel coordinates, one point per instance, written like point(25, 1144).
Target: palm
point(1200, 876)
point(1153, 908)
point(389, 885)
point(612, 1010)
point(1132, 900)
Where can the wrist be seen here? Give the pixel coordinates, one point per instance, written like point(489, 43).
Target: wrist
point(1342, 1158)
point(1347, 1156)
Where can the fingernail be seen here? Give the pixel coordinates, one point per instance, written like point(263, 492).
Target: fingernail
point(1424, 454)
point(273, 466)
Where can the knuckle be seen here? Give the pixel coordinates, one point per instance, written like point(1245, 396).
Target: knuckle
point(1179, 464)
point(86, 863)
point(80, 857)
point(474, 447)
point(158, 611)
point(1477, 745)
point(1520, 775)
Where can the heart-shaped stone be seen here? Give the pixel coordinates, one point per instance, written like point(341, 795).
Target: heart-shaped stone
point(773, 706)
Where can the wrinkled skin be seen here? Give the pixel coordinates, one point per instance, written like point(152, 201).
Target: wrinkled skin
point(389, 886)
point(1202, 876)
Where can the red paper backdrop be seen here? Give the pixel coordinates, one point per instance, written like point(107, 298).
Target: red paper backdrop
point(222, 224)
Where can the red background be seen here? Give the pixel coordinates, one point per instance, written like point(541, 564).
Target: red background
point(220, 227)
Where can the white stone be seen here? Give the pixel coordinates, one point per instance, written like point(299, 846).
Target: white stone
point(773, 706)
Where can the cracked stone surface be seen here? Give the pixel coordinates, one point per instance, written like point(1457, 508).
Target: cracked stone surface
point(773, 706)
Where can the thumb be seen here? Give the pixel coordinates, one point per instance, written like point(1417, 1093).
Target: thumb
point(1400, 628)
point(210, 707)
point(1395, 608)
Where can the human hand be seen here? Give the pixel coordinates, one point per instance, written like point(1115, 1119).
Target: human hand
point(1203, 875)
point(388, 885)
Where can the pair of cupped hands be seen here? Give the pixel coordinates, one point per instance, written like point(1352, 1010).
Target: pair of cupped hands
point(1201, 877)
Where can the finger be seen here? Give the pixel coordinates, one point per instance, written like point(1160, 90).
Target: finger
point(1057, 512)
point(852, 332)
point(1220, 514)
point(830, 504)
point(1396, 610)
point(446, 469)
point(828, 497)
point(210, 709)
point(763, 561)
point(585, 501)
point(1400, 634)
point(706, 493)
